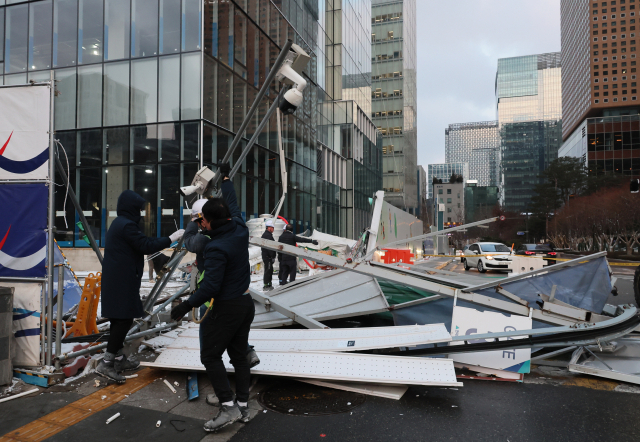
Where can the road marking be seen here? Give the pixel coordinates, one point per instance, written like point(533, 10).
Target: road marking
point(71, 414)
point(594, 384)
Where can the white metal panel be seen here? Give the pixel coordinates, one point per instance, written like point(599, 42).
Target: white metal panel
point(394, 392)
point(349, 339)
point(325, 365)
point(339, 294)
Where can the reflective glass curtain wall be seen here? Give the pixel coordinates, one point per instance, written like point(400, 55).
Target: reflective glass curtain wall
point(529, 107)
point(394, 91)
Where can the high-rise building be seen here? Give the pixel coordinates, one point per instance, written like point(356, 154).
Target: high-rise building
point(421, 177)
point(349, 155)
point(152, 90)
point(601, 111)
point(529, 106)
point(477, 144)
point(394, 93)
point(479, 201)
point(443, 172)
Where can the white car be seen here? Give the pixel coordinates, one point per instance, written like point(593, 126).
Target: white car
point(498, 259)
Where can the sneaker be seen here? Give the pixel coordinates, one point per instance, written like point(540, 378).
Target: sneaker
point(106, 369)
point(253, 359)
point(246, 414)
point(228, 415)
point(123, 363)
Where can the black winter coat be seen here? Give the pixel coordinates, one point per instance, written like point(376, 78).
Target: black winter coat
point(266, 253)
point(289, 238)
point(122, 268)
point(227, 274)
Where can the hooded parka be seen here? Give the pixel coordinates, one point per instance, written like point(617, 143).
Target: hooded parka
point(124, 250)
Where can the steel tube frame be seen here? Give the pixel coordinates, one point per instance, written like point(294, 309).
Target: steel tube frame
point(66, 356)
point(256, 134)
point(175, 262)
point(256, 103)
point(76, 204)
point(147, 318)
point(59, 313)
point(50, 243)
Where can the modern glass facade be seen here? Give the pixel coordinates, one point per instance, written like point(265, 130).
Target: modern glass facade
point(609, 145)
point(394, 93)
point(477, 144)
point(479, 202)
point(529, 106)
point(349, 147)
point(149, 91)
point(444, 171)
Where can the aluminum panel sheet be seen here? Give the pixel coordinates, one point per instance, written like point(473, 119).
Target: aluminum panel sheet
point(327, 365)
point(336, 294)
point(348, 339)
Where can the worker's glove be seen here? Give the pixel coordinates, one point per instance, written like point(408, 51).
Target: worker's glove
point(180, 310)
point(314, 242)
point(225, 170)
point(175, 236)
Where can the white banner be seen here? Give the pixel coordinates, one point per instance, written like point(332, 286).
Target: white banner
point(468, 321)
point(24, 132)
point(26, 324)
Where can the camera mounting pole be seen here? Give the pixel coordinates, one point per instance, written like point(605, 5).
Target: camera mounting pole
point(286, 48)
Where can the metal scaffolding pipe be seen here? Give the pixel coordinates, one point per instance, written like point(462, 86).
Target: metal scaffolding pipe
point(95, 348)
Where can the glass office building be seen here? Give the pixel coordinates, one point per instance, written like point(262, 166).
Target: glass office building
point(443, 172)
point(607, 145)
point(529, 106)
point(394, 94)
point(349, 164)
point(149, 91)
point(477, 144)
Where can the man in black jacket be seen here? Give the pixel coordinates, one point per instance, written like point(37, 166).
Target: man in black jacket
point(268, 256)
point(289, 263)
point(226, 280)
point(122, 269)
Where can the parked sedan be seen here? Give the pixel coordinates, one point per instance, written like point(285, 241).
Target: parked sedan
point(543, 250)
point(491, 256)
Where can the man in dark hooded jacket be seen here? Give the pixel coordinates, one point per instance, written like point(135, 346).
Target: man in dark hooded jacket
point(226, 280)
point(289, 263)
point(122, 269)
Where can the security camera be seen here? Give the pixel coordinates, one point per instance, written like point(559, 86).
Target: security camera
point(200, 183)
point(289, 73)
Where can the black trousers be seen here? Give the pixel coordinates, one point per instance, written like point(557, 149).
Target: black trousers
point(228, 330)
point(288, 270)
point(117, 333)
point(268, 270)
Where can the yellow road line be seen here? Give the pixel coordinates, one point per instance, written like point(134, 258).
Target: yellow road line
point(73, 413)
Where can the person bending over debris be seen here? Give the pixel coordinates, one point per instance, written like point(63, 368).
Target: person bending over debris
point(122, 269)
point(268, 256)
point(195, 242)
point(289, 263)
point(225, 283)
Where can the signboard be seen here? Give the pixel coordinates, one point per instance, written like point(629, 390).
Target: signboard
point(24, 132)
point(520, 233)
point(23, 224)
point(468, 321)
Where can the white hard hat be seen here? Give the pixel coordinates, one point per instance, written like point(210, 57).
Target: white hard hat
point(196, 209)
point(268, 223)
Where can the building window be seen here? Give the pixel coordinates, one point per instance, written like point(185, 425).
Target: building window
point(448, 200)
point(448, 191)
point(440, 192)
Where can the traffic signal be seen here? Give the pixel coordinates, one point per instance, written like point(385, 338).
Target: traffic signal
point(635, 185)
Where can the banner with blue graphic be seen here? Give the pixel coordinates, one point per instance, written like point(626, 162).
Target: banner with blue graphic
point(24, 132)
point(23, 224)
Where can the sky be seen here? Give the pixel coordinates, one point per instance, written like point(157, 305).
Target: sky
point(459, 44)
